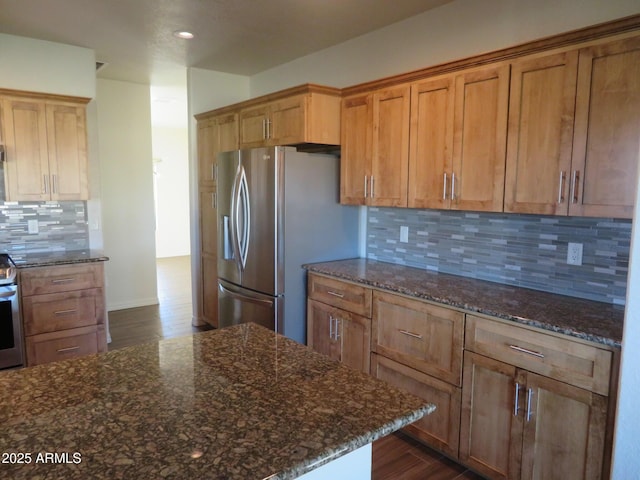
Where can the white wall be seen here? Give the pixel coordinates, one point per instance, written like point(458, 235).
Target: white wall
point(455, 30)
point(124, 130)
point(171, 176)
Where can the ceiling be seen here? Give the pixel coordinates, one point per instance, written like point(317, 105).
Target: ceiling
point(134, 37)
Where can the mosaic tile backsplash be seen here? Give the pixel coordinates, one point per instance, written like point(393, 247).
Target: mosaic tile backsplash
point(62, 226)
point(523, 250)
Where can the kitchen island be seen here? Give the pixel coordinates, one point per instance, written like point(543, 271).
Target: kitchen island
point(236, 403)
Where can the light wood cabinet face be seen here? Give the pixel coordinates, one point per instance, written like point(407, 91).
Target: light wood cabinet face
point(440, 429)
point(206, 153)
point(288, 121)
point(564, 434)
point(46, 150)
point(479, 139)
point(355, 162)
point(253, 126)
point(346, 296)
point(606, 145)
point(431, 143)
point(390, 148)
point(426, 337)
point(488, 420)
point(67, 147)
point(541, 116)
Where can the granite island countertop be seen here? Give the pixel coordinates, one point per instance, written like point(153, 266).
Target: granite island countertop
point(589, 320)
point(49, 259)
point(237, 403)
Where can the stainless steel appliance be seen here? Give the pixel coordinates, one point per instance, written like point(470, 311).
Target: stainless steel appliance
point(277, 209)
point(11, 349)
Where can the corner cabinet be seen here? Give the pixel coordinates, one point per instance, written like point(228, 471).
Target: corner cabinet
point(534, 405)
point(63, 311)
point(339, 321)
point(45, 144)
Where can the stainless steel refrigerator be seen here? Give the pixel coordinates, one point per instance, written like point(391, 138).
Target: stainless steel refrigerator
point(277, 209)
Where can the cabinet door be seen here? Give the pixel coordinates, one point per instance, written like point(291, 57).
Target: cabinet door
point(25, 135)
point(226, 138)
point(440, 429)
point(287, 121)
point(321, 329)
point(390, 147)
point(479, 139)
point(208, 255)
point(206, 152)
point(355, 332)
point(431, 146)
point(564, 429)
point(355, 162)
point(491, 426)
point(67, 149)
point(606, 140)
point(541, 112)
point(253, 126)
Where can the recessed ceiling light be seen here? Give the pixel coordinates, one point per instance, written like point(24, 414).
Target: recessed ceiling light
point(183, 34)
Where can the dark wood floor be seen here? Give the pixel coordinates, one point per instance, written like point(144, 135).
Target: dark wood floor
point(396, 456)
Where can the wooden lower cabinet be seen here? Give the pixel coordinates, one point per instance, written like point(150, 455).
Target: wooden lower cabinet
point(517, 424)
point(440, 429)
point(341, 335)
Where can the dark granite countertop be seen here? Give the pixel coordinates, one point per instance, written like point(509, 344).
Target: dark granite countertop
point(236, 403)
point(593, 321)
point(47, 259)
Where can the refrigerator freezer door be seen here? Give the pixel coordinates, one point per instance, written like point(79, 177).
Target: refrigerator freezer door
point(238, 305)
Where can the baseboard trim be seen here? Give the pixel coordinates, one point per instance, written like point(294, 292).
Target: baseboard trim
point(141, 302)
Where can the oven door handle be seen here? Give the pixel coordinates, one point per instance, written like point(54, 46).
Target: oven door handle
point(7, 294)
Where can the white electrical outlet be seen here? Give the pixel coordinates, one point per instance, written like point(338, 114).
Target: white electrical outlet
point(32, 226)
point(574, 254)
point(404, 234)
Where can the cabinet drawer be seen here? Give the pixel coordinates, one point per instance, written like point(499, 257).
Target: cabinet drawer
point(39, 280)
point(61, 311)
point(55, 346)
point(346, 296)
point(563, 359)
point(426, 337)
point(441, 428)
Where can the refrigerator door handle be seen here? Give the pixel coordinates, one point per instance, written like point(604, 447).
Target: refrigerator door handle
point(235, 200)
point(246, 298)
point(243, 236)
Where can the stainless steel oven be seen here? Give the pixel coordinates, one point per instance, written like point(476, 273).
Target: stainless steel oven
point(11, 343)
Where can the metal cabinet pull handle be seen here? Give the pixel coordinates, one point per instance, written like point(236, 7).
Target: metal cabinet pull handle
point(561, 187)
point(63, 280)
point(453, 186)
point(68, 349)
point(54, 183)
point(372, 190)
point(410, 334)
point(529, 397)
point(45, 183)
point(336, 330)
point(335, 294)
point(365, 186)
point(331, 327)
point(65, 312)
point(527, 351)
point(444, 187)
point(574, 186)
point(517, 401)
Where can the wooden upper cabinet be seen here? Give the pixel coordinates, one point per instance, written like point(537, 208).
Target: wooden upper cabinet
point(46, 149)
point(479, 139)
point(206, 152)
point(309, 117)
point(375, 148)
point(226, 133)
point(541, 112)
point(606, 139)
point(431, 143)
point(355, 161)
point(390, 147)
